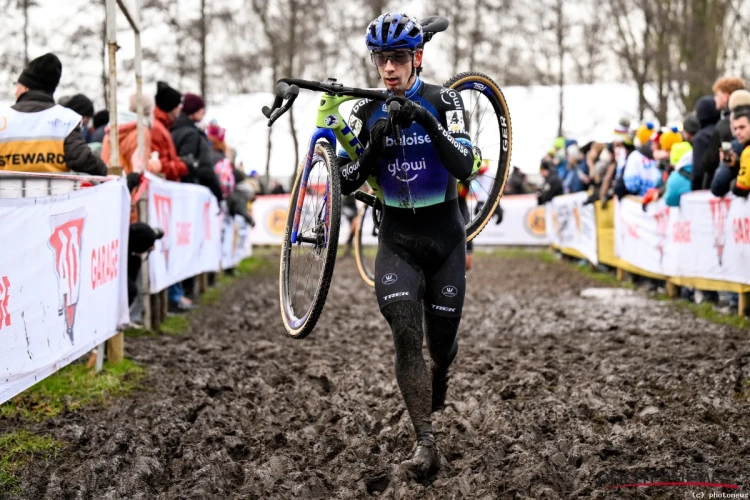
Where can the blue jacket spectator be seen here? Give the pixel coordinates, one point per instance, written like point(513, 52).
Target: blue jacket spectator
point(577, 179)
point(678, 182)
point(641, 171)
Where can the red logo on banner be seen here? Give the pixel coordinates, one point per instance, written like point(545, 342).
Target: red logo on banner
point(681, 232)
point(207, 220)
point(105, 263)
point(4, 298)
point(719, 211)
point(66, 242)
point(662, 219)
point(741, 229)
point(163, 206)
point(183, 233)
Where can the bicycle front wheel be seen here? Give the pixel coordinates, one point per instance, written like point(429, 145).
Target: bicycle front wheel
point(365, 249)
point(490, 130)
point(307, 263)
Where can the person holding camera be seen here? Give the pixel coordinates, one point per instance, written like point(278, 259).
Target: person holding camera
point(739, 104)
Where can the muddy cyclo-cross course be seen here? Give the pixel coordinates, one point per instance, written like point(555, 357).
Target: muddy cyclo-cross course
point(553, 396)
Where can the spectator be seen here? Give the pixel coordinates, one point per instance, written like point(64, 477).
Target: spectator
point(577, 176)
point(277, 188)
point(708, 116)
point(192, 143)
point(559, 157)
point(35, 116)
point(84, 107)
point(552, 184)
point(641, 172)
point(725, 175)
point(645, 132)
point(739, 104)
point(621, 147)
point(128, 139)
point(254, 180)
point(690, 126)
point(679, 181)
point(516, 182)
point(723, 88)
point(101, 120)
point(168, 106)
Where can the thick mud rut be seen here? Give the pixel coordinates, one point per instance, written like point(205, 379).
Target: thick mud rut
point(553, 396)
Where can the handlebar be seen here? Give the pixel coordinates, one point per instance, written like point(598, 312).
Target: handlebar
point(287, 90)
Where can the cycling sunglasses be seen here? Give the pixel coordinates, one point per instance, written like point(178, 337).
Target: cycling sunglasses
point(398, 58)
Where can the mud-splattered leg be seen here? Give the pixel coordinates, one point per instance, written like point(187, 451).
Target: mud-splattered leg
point(442, 343)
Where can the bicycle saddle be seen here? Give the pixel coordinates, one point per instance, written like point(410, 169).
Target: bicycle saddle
point(434, 24)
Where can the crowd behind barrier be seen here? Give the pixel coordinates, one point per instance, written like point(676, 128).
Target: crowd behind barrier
point(668, 201)
point(704, 243)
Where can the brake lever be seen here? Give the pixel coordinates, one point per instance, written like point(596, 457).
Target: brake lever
point(290, 93)
point(391, 126)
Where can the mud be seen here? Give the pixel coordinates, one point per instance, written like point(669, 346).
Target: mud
point(553, 396)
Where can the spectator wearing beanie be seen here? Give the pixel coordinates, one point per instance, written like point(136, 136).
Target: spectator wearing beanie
point(708, 116)
point(128, 137)
point(84, 107)
point(192, 143)
point(168, 105)
point(101, 120)
point(690, 127)
point(40, 136)
point(723, 88)
point(552, 184)
point(678, 182)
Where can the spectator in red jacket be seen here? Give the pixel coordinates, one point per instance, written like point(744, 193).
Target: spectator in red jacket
point(168, 107)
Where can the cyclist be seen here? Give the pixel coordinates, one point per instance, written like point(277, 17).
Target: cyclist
point(420, 269)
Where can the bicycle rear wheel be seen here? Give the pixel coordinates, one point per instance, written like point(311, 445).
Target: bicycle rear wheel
point(490, 130)
point(365, 250)
point(307, 264)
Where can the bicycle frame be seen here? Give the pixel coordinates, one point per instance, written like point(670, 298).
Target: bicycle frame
point(332, 127)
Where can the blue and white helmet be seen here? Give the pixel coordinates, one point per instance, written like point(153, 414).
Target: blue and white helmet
point(394, 30)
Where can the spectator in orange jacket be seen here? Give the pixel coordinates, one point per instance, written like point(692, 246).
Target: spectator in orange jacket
point(128, 138)
point(168, 107)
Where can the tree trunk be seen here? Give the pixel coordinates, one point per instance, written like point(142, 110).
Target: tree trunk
point(25, 32)
point(104, 78)
point(203, 35)
point(560, 32)
point(456, 27)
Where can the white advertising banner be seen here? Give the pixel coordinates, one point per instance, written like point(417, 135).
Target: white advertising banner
point(571, 224)
point(235, 241)
point(63, 279)
point(189, 216)
point(523, 223)
point(642, 237)
point(269, 213)
point(705, 237)
point(713, 236)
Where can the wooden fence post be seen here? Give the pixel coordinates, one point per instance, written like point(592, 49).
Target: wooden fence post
point(743, 304)
point(673, 291)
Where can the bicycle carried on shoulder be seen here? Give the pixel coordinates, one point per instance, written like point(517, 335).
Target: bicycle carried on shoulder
point(308, 252)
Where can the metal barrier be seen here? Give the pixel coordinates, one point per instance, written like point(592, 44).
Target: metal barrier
point(35, 185)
